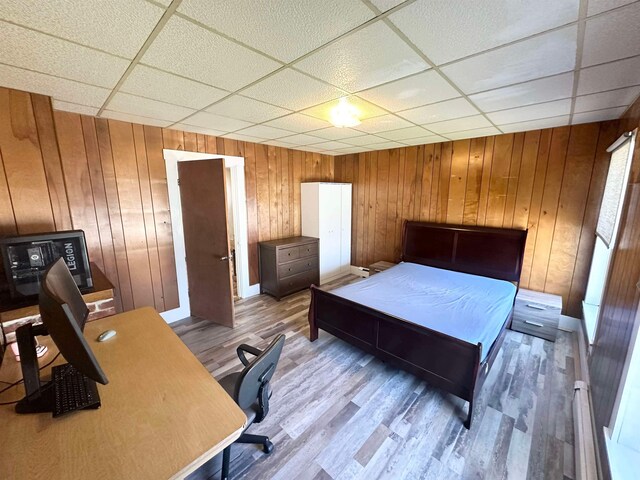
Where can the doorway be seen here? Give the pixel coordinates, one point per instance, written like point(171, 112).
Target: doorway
point(235, 166)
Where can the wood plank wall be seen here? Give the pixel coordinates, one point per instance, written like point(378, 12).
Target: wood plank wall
point(549, 181)
point(620, 302)
point(61, 170)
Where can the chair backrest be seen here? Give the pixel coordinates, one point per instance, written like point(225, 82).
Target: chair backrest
point(257, 374)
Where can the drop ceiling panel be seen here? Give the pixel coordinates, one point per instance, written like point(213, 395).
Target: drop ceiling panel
point(118, 26)
point(623, 73)
point(42, 53)
point(456, 108)
point(536, 91)
point(368, 57)
point(279, 143)
point(331, 145)
point(536, 124)
point(386, 145)
point(334, 133)
point(447, 31)
point(384, 5)
point(414, 91)
point(598, 116)
point(216, 122)
point(459, 124)
point(126, 117)
point(382, 123)
point(299, 123)
point(58, 88)
point(404, 133)
point(284, 29)
point(194, 52)
point(598, 6)
point(292, 90)
point(423, 140)
point(613, 98)
point(131, 104)
point(247, 109)
point(265, 131)
point(365, 109)
point(475, 133)
point(600, 45)
point(194, 129)
point(532, 112)
point(364, 141)
point(151, 83)
point(74, 107)
point(301, 139)
point(348, 150)
point(537, 57)
point(244, 138)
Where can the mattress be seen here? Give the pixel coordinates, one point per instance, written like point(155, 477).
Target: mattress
point(467, 307)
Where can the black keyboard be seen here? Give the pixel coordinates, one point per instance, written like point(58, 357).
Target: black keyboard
point(72, 390)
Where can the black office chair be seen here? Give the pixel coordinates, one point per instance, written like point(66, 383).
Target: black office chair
point(251, 390)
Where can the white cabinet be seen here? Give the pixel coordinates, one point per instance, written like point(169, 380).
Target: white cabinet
point(326, 214)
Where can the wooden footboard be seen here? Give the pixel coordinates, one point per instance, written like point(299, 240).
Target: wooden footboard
point(444, 361)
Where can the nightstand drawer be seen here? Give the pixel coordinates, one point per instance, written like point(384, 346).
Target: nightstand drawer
point(526, 309)
point(536, 328)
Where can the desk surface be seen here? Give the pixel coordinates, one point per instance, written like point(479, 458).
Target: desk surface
point(162, 416)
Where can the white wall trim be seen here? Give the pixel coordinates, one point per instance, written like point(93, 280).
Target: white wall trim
point(236, 166)
point(569, 324)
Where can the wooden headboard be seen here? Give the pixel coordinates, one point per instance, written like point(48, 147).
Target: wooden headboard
point(485, 251)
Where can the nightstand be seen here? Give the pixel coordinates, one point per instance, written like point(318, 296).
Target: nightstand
point(380, 267)
point(537, 313)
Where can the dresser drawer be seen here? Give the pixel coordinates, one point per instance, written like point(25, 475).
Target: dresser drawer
point(287, 254)
point(297, 266)
point(298, 281)
point(308, 250)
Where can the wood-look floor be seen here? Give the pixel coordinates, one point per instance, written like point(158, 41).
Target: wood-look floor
point(338, 413)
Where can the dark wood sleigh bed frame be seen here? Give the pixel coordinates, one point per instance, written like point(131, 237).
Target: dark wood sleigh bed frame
point(444, 361)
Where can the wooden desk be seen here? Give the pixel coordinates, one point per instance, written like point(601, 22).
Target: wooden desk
point(162, 416)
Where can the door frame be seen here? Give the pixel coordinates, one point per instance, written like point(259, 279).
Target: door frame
point(239, 196)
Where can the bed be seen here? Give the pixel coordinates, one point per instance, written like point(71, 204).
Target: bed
point(442, 314)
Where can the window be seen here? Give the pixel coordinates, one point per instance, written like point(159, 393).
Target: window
point(608, 222)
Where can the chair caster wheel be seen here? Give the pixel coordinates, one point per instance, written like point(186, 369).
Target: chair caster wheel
point(267, 447)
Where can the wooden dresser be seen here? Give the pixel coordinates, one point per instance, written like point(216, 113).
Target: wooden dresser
point(537, 314)
point(288, 265)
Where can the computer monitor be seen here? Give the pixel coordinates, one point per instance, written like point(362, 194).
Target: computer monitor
point(63, 313)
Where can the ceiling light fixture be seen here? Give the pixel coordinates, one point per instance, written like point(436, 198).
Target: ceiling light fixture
point(344, 114)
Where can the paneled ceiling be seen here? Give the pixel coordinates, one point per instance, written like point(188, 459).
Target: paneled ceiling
point(268, 71)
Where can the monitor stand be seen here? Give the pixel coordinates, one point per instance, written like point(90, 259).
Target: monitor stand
point(39, 397)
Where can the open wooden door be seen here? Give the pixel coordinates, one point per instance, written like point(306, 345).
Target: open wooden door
point(204, 218)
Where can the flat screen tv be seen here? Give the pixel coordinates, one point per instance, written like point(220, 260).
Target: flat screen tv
point(26, 257)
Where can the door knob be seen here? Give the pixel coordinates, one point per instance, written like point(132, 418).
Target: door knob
point(222, 259)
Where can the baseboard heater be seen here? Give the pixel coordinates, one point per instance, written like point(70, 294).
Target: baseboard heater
point(585, 452)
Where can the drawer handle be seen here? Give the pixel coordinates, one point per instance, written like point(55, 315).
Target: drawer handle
point(535, 324)
point(535, 306)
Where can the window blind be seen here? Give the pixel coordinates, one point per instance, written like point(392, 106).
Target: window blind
point(614, 190)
